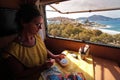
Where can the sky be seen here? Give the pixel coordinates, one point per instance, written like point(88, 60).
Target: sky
point(86, 5)
point(112, 14)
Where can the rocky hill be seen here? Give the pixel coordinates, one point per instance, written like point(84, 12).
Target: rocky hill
point(97, 18)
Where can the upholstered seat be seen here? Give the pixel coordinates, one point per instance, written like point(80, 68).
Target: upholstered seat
point(8, 25)
point(8, 32)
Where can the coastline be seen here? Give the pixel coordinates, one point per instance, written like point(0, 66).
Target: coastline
point(105, 30)
point(101, 27)
point(109, 31)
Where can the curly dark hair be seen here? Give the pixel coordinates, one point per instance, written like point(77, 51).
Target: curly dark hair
point(26, 13)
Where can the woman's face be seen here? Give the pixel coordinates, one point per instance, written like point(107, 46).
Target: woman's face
point(33, 26)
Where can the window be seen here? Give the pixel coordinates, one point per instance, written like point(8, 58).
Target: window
point(100, 25)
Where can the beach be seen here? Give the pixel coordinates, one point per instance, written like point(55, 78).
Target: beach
point(106, 30)
point(109, 31)
point(112, 26)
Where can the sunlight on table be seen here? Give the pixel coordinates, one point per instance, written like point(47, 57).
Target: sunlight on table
point(77, 65)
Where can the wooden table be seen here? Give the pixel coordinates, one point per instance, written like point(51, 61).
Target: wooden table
point(77, 65)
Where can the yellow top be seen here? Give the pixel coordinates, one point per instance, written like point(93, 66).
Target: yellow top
point(30, 56)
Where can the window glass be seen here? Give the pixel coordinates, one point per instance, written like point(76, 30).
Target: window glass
point(101, 27)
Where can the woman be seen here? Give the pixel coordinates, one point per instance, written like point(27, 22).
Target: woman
point(27, 56)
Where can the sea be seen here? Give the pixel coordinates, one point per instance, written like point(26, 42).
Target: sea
point(112, 26)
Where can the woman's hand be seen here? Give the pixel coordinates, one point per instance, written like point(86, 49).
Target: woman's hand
point(58, 57)
point(48, 63)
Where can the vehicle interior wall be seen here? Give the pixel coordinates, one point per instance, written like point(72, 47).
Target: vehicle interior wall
point(9, 6)
point(58, 45)
point(10, 3)
point(7, 29)
point(14, 5)
point(96, 50)
point(105, 52)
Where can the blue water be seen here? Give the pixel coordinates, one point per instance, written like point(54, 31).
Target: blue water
point(113, 24)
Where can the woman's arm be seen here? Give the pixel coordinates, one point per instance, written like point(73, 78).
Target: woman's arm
point(50, 54)
point(56, 57)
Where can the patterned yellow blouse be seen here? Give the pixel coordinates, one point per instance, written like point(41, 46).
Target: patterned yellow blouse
point(30, 56)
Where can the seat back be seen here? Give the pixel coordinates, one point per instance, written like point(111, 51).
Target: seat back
point(8, 31)
point(8, 25)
